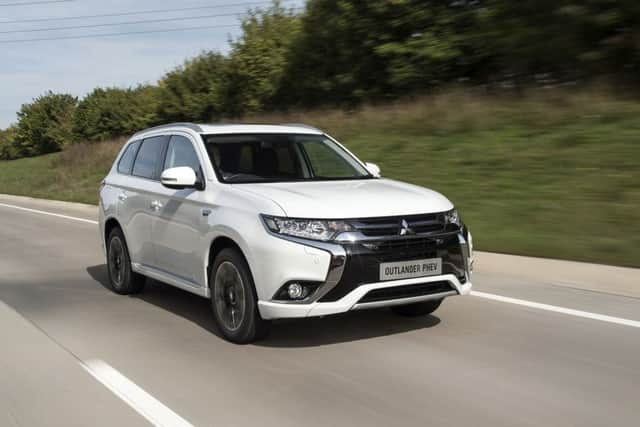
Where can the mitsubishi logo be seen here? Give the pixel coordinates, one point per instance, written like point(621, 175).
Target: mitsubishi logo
point(405, 230)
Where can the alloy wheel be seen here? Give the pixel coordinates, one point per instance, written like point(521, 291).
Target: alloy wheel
point(116, 261)
point(229, 297)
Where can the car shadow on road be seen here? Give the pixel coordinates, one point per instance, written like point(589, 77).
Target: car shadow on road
point(342, 328)
point(188, 306)
point(291, 333)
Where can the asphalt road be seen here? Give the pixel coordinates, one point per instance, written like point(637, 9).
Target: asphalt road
point(475, 362)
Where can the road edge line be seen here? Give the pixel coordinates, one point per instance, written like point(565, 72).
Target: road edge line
point(75, 218)
point(558, 309)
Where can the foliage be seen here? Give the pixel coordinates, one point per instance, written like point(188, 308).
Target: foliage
point(421, 47)
point(44, 125)
point(567, 38)
point(334, 60)
point(257, 60)
point(349, 52)
point(7, 148)
point(112, 112)
point(193, 91)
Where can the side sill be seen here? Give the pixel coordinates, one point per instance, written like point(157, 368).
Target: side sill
point(171, 279)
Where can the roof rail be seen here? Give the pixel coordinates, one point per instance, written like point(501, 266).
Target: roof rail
point(301, 125)
point(191, 126)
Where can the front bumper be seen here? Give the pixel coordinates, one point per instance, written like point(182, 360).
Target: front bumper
point(351, 301)
point(352, 281)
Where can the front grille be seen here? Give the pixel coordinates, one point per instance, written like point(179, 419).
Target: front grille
point(406, 291)
point(392, 226)
point(363, 259)
point(400, 247)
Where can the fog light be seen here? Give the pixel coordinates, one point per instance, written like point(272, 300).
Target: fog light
point(295, 291)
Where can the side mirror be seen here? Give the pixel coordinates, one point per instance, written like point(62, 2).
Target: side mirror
point(179, 178)
point(373, 169)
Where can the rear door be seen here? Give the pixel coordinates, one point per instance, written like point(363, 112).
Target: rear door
point(136, 209)
point(180, 226)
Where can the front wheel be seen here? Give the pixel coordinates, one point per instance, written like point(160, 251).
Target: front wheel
point(417, 309)
point(234, 300)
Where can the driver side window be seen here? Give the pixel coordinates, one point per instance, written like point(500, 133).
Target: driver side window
point(180, 152)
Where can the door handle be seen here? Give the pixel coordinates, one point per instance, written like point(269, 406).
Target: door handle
point(156, 205)
point(122, 197)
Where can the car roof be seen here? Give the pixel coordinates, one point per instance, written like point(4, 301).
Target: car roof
point(232, 128)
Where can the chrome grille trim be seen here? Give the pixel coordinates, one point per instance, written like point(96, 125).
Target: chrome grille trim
point(384, 227)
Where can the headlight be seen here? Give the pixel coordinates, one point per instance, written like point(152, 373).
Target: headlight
point(452, 217)
point(315, 229)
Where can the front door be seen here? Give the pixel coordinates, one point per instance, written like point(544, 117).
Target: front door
point(181, 222)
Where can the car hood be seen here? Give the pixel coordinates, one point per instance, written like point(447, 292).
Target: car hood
point(350, 199)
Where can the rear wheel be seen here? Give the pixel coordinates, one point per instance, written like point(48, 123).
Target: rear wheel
point(417, 309)
point(234, 300)
point(122, 278)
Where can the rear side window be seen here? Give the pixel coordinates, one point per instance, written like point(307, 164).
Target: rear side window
point(126, 161)
point(149, 157)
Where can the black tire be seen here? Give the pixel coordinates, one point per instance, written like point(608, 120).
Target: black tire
point(122, 278)
point(417, 309)
point(234, 300)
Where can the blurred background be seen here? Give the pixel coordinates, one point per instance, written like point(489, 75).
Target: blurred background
point(525, 114)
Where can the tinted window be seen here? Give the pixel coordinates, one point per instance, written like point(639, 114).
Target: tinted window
point(148, 157)
point(280, 157)
point(126, 161)
point(324, 160)
point(181, 153)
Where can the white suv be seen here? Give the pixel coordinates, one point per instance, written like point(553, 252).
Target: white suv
point(276, 222)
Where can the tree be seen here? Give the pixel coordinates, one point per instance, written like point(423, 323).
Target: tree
point(351, 51)
point(424, 46)
point(44, 125)
point(258, 58)
point(7, 141)
point(112, 112)
point(568, 39)
point(344, 52)
point(193, 92)
point(609, 35)
point(333, 61)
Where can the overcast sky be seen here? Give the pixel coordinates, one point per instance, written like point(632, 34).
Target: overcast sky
point(76, 66)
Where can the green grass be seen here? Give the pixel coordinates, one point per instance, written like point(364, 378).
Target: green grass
point(550, 174)
point(72, 175)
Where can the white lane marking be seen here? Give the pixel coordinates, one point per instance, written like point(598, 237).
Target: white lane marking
point(75, 218)
point(145, 404)
point(557, 309)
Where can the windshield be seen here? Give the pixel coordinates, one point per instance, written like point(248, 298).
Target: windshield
point(280, 157)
